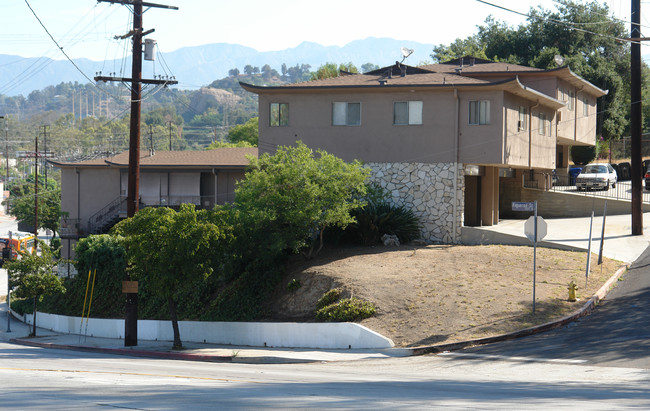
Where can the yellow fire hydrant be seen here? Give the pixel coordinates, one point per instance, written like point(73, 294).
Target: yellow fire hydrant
point(572, 291)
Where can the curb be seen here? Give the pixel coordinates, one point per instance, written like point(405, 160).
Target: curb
point(586, 309)
point(165, 355)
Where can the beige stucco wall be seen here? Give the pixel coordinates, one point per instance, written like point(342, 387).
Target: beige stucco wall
point(99, 186)
point(377, 139)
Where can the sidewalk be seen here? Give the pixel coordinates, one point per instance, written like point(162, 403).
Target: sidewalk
point(191, 352)
point(572, 234)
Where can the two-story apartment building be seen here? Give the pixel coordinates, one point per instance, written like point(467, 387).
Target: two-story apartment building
point(438, 137)
point(93, 192)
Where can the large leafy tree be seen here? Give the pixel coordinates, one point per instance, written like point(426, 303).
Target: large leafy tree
point(169, 248)
point(32, 276)
point(299, 194)
point(584, 33)
point(22, 202)
point(247, 132)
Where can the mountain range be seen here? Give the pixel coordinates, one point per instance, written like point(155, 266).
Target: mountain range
point(198, 66)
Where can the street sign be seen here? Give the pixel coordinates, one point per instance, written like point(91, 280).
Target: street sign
point(523, 206)
point(529, 228)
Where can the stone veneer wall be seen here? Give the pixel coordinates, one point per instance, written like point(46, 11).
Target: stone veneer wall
point(428, 190)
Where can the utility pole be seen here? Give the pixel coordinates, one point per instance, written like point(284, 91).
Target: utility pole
point(151, 148)
point(170, 136)
point(6, 119)
point(131, 312)
point(136, 95)
point(45, 153)
point(36, 187)
point(635, 118)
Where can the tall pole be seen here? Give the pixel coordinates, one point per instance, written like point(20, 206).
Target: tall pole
point(170, 136)
point(131, 309)
point(136, 95)
point(45, 154)
point(36, 188)
point(635, 118)
point(7, 146)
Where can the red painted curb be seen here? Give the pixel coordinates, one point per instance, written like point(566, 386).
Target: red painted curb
point(125, 351)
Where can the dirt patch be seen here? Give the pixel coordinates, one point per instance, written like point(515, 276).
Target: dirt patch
point(443, 293)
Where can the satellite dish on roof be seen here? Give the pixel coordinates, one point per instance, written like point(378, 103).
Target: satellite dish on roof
point(406, 52)
point(559, 60)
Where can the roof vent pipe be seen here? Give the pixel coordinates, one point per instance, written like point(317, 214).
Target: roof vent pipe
point(403, 71)
point(461, 61)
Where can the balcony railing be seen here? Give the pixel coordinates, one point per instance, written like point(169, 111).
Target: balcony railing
point(71, 228)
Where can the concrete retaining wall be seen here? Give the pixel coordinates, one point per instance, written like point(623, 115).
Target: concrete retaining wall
point(255, 334)
point(557, 204)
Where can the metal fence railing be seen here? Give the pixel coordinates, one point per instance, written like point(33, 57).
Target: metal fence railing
point(564, 182)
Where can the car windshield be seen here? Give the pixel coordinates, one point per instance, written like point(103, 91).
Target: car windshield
point(595, 169)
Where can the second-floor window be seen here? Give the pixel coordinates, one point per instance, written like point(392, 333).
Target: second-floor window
point(571, 102)
point(279, 114)
point(479, 112)
point(407, 113)
point(346, 114)
point(585, 106)
point(522, 123)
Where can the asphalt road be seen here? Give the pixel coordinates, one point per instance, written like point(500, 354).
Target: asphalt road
point(616, 334)
point(34, 378)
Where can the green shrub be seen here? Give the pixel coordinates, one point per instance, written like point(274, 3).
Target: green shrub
point(348, 309)
point(22, 306)
point(329, 298)
point(379, 217)
point(582, 155)
point(293, 285)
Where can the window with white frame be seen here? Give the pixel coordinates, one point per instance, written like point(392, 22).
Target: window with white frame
point(407, 113)
point(571, 102)
point(522, 123)
point(585, 106)
point(346, 114)
point(479, 112)
point(279, 114)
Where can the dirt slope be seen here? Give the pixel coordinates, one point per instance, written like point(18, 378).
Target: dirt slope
point(442, 293)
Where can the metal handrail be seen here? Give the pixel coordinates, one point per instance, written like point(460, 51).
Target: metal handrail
point(108, 212)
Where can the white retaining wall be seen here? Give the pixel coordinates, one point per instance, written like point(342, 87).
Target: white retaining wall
point(428, 190)
point(256, 334)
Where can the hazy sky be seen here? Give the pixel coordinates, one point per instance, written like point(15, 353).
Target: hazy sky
point(85, 28)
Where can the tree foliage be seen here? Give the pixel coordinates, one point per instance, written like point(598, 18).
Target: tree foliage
point(584, 33)
point(300, 194)
point(169, 248)
point(32, 276)
point(247, 132)
point(22, 201)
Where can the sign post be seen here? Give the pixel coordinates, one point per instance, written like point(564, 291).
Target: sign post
point(535, 229)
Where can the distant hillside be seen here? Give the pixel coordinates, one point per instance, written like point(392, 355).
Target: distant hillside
point(198, 66)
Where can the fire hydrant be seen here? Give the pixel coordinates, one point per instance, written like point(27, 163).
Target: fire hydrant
point(572, 291)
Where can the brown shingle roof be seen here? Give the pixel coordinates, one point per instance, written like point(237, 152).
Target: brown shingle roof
point(227, 157)
point(371, 81)
point(492, 67)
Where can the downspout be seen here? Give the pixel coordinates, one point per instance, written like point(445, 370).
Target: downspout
point(76, 170)
point(456, 138)
point(214, 173)
point(530, 134)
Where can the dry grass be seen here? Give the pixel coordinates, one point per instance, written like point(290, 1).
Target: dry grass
point(443, 293)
